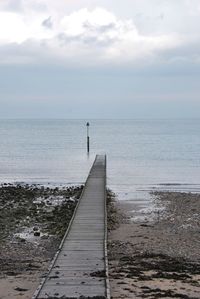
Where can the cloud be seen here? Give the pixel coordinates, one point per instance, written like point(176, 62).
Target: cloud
point(48, 23)
point(97, 36)
point(125, 55)
point(88, 36)
point(11, 5)
point(23, 6)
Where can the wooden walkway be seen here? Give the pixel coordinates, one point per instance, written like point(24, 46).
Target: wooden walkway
point(79, 269)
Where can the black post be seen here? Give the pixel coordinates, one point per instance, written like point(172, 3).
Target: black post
point(88, 138)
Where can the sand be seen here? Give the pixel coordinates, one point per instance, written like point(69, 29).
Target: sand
point(157, 257)
point(153, 256)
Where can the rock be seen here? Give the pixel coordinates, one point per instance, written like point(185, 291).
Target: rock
point(35, 228)
point(45, 237)
point(11, 273)
point(37, 234)
point(21, 289)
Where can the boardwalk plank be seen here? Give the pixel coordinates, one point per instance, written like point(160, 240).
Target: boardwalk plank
point(80, 267)
point(72, 291)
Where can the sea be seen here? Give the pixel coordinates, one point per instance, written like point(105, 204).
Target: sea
point(142, 155)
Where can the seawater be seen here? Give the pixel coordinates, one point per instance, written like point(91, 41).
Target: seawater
point(142, 155)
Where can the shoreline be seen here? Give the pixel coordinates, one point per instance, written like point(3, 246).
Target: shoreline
point(153, 256)
point(156, 257)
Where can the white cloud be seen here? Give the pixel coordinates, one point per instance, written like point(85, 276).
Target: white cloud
point(81, 37)
point(12, 28)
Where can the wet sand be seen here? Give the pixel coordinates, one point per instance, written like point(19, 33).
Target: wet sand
point(158, 256)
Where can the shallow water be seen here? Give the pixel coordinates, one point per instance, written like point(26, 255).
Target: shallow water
point(142, 155)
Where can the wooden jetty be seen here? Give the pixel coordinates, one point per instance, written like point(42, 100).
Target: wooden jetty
point(79, 269)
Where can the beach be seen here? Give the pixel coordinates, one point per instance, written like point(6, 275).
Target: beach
point(157, 257)
point(152, 256)
point(99, 149)
point(33, 220)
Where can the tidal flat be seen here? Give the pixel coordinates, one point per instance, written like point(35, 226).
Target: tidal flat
point(157, 257)
point(33, 221)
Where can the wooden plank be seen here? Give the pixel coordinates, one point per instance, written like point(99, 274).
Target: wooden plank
point(80, 266)
point(72, 291)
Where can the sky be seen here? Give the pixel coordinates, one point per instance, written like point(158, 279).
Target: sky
point(99, 59)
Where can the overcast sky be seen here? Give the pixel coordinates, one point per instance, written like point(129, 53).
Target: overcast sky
point(99, 59)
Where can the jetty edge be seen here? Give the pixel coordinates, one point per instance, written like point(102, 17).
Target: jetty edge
point(80, 266)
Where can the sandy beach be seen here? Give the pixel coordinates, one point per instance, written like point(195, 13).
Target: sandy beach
point(157, 257)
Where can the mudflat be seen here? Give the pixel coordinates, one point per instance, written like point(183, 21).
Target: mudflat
point(157, 257)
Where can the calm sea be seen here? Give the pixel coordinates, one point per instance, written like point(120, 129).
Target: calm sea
point(141, 154)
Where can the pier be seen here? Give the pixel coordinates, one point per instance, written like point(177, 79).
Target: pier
point(79, 269)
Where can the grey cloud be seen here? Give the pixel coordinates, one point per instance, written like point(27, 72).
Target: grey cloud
point(161, 16)
point(187, 53)
point(183, 60)
point(48, 23)
point(20, 5)
point(98, 28)
point(29, 52)
point(93, 35)
point(12, 5)
point(65, 39)
point(92, 39)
